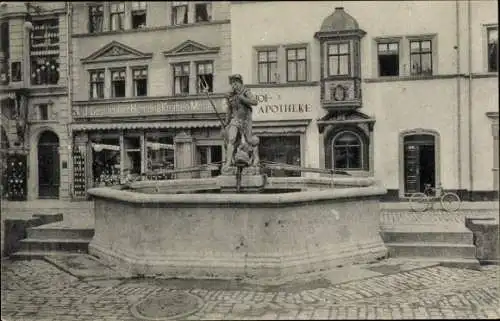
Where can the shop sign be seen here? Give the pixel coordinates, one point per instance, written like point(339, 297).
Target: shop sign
point(147, 108)
point(284, 103)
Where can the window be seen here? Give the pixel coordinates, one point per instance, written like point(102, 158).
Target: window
point(284, 150)
point(267, 66)
point(44, 52)
point(493, 49)
point(118, 83)
point(388, 59)
point(16, 71)
point(296, 64)
point(179, 12)
point(96, 18)
point(43, 110)
point(205, 77)
point(181, 79)
point(97, 84)
point(203, 11)
point(347, 151)
point(117, 16)
point(140, 76)
point(139, 14)
point(338, 59)
point(421, 57)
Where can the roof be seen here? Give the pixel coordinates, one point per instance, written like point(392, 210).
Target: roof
point(339, 20)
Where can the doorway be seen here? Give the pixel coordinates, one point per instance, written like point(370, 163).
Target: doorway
point(419, 162)
point(48, 165)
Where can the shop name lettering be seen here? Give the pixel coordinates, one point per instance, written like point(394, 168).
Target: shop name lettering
point(265, 107)
point(135, 109)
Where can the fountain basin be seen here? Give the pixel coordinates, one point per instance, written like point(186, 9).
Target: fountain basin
point(299, 226)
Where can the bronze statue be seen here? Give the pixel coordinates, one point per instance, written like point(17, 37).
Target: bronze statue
point(241, 144)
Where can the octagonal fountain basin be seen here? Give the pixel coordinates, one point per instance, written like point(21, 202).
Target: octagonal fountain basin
point(188, 229)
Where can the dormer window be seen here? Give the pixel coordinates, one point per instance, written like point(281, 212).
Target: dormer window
point(338, 59)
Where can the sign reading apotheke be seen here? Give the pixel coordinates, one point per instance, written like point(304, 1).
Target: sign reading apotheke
point(146, 108)
point(284, 103)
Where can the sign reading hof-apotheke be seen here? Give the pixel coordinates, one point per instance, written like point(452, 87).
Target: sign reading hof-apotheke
point(289, 103)
point(155, 107)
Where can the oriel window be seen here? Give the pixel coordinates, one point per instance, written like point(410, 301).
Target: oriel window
point(118, 78)
point(388, 59)
point(296, 64)
point(139, 9)
point(181, 79)
point(267, 61)
point(97, 84)
point(205, 76)
point(140, 76)
point(203, 11)
point(421, 57)
point(493, 49)
point(338, 59)
point(179, 12)
point(117, 16)
point(96, 18)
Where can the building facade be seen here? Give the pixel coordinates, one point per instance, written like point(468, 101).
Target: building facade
point(142, 75)
point(34, 100)
point(405, 91)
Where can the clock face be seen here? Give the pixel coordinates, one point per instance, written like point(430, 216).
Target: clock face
point(339, 92)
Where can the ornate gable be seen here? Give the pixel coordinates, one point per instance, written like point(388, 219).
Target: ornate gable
point(116, 51)
point(190, 47)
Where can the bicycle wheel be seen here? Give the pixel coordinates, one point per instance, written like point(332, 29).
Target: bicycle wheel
point(419, 202)
point(450, 202)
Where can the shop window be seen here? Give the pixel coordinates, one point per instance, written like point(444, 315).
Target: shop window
point(106, 161)
point(492, 49)
point(347, 151)
point(43, 111)
point(160, 155)
point(97, 84)
point(210, 156)
point(96, 18)
point(284, 150)
point(179, 12)
point(118, 78)
point(338, 59)
point(140, 76)
point(267, 61)
point(44, 52)
point(16, 71)
point(203, 11)
point(117, 16)
point(205, 77)
point(296, 64)
point(139, 14)
point(181, 79)
point(388, 59)
point(421, 57)
point(132, 162)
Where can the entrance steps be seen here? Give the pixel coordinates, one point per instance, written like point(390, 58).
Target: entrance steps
point(53, 239)
point(450, 245)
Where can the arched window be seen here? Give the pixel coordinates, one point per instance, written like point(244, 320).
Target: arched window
point(347, 151)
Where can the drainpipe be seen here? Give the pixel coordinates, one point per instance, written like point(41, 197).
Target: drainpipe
point(469, 103)
point(459, 97)
point(69, 83)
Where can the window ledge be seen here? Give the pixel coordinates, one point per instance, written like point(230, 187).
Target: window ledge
point(150, 29)
point(288, 84)
point(408, 78)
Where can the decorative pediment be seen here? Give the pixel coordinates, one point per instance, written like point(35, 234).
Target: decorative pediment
point(116, 51)
point(190, 47)
point(345, 118)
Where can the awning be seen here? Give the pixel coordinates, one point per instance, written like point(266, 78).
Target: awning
point(147, 125)
point(100, 147)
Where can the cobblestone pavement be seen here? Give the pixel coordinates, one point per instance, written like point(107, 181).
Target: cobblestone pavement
point(37, 290)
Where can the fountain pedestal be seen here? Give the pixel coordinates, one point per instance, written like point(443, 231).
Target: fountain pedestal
point(251, 180)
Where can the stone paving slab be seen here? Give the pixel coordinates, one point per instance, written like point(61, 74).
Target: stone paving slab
point(38, 290)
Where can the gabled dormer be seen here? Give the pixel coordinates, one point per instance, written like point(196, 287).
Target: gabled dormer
point(340, 38)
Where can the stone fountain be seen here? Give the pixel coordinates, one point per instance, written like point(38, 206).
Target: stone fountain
point(240, 225)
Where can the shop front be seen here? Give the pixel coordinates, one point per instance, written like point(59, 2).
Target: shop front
point(151, 139)
point(283, 120)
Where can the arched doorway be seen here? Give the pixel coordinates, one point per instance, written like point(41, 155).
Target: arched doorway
point(48, 165)
point(419, 162)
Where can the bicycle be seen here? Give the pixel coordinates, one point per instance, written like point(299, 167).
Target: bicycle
point(421, 202)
